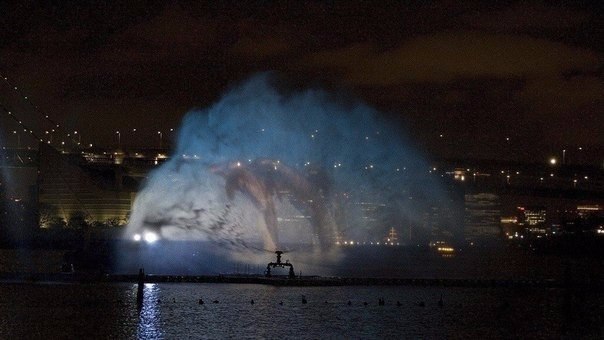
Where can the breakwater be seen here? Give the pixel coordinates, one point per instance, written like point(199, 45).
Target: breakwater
point(308, 281)
point(348, 281)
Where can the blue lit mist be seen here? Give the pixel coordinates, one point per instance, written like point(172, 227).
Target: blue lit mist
point(362, 158)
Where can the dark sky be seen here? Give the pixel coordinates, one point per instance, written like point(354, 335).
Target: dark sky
point(478, 73)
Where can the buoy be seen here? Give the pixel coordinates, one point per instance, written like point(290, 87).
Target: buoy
point(281, 303)
point(349, 303)
point(215, 301)
point(440, 302)
point(201, 301)
point(252, 302)
point(398, 303)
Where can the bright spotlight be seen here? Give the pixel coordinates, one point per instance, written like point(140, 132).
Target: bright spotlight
point(151, 237)
point(137, 237)
point(553, 161)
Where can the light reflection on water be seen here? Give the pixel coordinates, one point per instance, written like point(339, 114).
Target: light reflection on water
point(172, 311)
point(149, 315)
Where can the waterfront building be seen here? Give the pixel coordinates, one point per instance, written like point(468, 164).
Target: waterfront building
point(439, 221)
point(482, 218)
point(534, 220)
point(589, 210)
point(70, 187)
point(510, 227)
point(392, 237)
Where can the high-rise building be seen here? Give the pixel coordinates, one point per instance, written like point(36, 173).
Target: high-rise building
point(533, 219)
point(482, 216)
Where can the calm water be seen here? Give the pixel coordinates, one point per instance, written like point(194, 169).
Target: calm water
point(172, 311)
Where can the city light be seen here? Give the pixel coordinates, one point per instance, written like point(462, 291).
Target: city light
point(553, 161)
point(563, 156)
point(150, 237)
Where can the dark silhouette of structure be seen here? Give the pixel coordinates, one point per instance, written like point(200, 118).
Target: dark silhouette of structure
point(140, 287)
point(279, 264)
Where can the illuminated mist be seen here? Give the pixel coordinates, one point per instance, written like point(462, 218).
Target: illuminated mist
point(261, 169)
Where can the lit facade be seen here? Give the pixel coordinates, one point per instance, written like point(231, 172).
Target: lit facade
point(68, 187)
point(534, 219)
point(482, 216)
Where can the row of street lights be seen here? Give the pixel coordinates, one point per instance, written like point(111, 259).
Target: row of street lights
point(159, 133)
point(76, 137)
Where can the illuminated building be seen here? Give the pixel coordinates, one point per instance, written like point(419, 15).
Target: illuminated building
point(370, 212)
point(459, 174)
point(510, 227)
point(533, 219)
point(70, 187)
point(368, 219)
point(587, 210)
point(392, 237)
point(482, 216)
point(439, 222)
point(589, 217)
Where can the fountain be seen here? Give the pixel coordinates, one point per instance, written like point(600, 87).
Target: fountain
point(264, 170)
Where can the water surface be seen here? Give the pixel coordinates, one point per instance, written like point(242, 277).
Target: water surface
point(172, 311)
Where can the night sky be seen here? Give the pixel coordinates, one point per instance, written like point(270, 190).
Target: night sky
point(504, 80)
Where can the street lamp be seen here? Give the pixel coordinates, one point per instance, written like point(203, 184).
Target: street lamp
point(563, 156)
point(79, 137)
point(160, 138)
point(119, 138)
point(133, 137)
point(18, 139)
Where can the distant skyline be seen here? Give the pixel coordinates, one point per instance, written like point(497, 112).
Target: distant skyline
point(507, 80)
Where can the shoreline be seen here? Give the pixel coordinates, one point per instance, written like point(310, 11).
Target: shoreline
point(309, 281)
